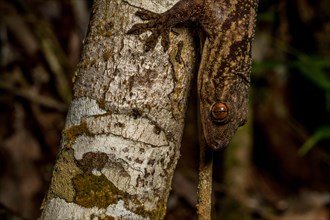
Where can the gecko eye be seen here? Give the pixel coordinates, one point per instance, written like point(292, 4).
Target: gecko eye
point(219, 111)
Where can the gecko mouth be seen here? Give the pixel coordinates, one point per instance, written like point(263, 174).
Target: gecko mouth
point(217, 144)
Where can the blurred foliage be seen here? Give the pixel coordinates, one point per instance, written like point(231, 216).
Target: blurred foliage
point(320, 134)
point(317, 70)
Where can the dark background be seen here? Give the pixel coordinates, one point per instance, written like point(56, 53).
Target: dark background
point(277, 167)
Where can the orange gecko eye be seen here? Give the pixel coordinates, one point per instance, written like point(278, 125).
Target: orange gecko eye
point(219, 111)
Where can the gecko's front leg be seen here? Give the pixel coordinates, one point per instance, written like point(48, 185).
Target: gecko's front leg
point(160, 25)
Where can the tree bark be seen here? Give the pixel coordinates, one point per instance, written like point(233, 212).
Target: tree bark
point(121, 141)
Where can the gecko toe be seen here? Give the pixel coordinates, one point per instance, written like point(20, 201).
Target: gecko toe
point(157, 24)
point(165, 40)
point(151, 42)
point(146, 15)
point(137, 29)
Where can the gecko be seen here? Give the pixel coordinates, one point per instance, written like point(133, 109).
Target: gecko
point(224, 69)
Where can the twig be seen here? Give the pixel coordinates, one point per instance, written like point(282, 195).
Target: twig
point(204, 205)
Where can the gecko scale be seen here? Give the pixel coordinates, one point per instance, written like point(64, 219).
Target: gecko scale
point(224, 70)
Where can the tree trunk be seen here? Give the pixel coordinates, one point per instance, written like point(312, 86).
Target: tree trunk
point(121, 141)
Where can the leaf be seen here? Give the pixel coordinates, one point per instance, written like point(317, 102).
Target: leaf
point(320, 134)
point(316, 69)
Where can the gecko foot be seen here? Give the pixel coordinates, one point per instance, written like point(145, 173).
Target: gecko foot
point(156, 25)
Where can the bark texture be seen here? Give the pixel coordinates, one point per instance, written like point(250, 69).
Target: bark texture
point(123, 131)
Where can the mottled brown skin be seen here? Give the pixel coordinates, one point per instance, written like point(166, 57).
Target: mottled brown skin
point(224, 71)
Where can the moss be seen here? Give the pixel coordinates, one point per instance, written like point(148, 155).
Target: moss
point(64, 170)
point(97, 191)
point(84, 64)
point(93, 62)
point(94, 190)
point(92, 161)
point(94, 216)
point(157, 213)
point(106, 55)
point(87, 63)
point(73, 132)
point(88, 190)
point(108, 218)
point(108, 34)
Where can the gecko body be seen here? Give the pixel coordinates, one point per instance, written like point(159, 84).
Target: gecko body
point(224, 71)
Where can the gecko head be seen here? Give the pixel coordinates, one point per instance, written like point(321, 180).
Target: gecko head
point(222, 122)
point(223, 108)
